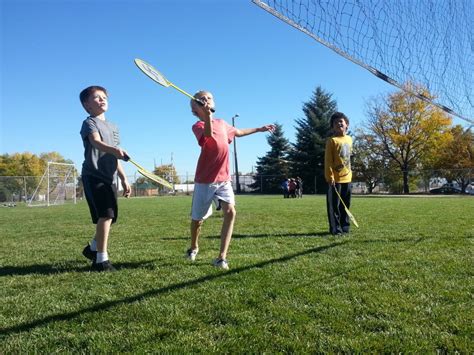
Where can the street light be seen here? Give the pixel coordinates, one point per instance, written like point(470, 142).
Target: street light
point(237, 183)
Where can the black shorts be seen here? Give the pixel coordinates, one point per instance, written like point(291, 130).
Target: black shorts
point(101, 198)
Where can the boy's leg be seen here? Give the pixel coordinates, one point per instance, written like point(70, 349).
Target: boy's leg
point(346, 193)
point(195, 232)
point(332, 203)
point(227, 228)
point(102, 234)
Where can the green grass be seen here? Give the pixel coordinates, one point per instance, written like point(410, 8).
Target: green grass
point(403, 282)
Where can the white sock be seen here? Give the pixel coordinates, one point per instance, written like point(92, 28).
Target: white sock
point(93, 244)
point(101, 257)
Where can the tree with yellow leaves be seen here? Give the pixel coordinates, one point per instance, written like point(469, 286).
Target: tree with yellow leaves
point(456, 159)
point(408, 130)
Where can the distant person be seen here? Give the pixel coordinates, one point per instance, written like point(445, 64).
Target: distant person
point(99, 169)
point(338, 174)
point(212, 178)
point(292, 188)
point(299, 187)
point(284, 187)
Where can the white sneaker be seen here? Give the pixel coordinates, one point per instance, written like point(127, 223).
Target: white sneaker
point(221, 263)
point(191, 254)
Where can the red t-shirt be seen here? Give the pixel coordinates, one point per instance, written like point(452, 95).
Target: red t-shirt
point(213, 163)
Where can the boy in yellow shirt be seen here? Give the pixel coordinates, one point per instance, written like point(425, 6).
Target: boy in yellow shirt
point(338, 174)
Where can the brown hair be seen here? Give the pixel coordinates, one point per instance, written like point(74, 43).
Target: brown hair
point(88, 92)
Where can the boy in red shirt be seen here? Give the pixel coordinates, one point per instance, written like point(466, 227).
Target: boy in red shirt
point(212, 179)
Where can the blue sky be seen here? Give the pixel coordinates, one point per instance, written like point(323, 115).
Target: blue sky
point(255, 65)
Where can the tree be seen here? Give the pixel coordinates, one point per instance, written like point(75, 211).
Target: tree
point(167, 172)
point(273, 167)
point(408, 129)
point(23, 165)
point(307, 156)
point(369, 163)
point(456, 160)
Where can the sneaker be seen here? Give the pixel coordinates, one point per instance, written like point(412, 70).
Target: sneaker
point(89, 253)
point(106, 266)
point(221, 263)
point(191, 254)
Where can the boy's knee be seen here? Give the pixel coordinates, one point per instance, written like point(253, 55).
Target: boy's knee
point(230, 211)
point(197, 223)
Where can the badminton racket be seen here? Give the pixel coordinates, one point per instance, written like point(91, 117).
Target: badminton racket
point(156, 76)
point(351, 216)
point(149, 175)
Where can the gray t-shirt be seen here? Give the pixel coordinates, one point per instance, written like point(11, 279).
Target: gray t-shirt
point(97, 163)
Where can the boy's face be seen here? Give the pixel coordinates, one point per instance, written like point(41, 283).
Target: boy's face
point(97, 103)
point(339, 126)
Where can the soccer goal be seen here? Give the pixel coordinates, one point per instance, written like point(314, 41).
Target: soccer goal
point(56, 187)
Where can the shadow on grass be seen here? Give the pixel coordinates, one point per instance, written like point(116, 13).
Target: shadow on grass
point(156, 292)
point(269, 235)
point(51, 269)
point(264, 235)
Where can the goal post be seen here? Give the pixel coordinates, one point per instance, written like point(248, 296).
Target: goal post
point(57, 186)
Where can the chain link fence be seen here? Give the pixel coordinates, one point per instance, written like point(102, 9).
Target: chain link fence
point(16, 189)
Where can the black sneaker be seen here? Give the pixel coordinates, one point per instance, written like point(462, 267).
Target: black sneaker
point(88, 253)
point(106, 266)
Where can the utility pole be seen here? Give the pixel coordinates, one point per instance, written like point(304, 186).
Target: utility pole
point(237, 182)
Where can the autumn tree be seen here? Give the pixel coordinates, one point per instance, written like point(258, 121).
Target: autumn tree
point(167, 172)
point(407, 128)
point(369, 163)
point(456, 159)
point(24, 165)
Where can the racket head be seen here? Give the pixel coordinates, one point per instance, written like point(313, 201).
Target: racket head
point(151, 72)
point(351, 217)
point(155, 178)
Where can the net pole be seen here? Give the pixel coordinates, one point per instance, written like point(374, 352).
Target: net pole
point(47, 185)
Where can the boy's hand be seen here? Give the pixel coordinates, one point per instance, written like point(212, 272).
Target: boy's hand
point(127, 189)
point(269, 127)
point(121, 154)
point(204, 110)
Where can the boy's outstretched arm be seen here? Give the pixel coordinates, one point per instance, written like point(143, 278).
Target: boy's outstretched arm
point(246, 131)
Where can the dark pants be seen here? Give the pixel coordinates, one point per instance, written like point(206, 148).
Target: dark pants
point(101, 198)
point(339, 221)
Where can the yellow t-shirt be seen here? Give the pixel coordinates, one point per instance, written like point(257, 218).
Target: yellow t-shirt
point(337, 159)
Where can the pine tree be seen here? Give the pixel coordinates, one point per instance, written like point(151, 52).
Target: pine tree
point(307, 156)
point(273, 167)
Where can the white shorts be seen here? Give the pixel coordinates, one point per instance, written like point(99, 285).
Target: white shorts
point(204, 194)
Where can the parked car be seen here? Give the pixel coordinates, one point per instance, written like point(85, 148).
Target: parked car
point(446, 190)
point(470, 189)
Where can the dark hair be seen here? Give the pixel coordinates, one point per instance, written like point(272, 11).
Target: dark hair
point(88, 92)
point(337, 115)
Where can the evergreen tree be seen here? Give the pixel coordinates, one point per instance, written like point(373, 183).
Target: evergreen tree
point(273, 167)
point(307, 156)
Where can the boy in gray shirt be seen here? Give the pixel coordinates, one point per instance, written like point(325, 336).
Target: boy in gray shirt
point(99, 170)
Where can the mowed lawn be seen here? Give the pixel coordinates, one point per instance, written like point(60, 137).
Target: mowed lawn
point(402, 282)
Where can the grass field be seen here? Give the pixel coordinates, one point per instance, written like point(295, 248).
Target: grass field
point(403, 282)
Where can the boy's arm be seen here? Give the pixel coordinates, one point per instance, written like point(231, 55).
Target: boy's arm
point(123, 178)
point(247, 131)
point(328, 173)
point(96, 141)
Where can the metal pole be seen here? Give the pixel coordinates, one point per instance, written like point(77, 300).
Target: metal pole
point(236, 172)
